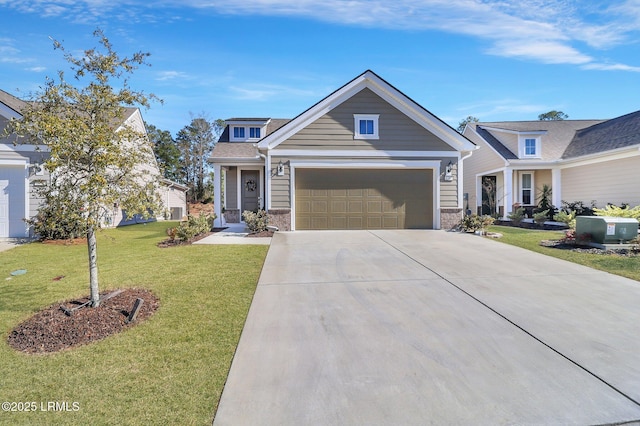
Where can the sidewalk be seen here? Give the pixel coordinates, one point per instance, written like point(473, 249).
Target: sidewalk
point(235, 233)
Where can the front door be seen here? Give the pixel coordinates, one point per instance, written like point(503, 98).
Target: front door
point(489, 194)
point(250, 180)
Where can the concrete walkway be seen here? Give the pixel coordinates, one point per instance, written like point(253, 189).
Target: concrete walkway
point(430, 327)
point(235, 233)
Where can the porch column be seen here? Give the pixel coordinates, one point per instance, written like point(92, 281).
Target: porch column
point(217, 199)
point(507, 192)
point(556, 187)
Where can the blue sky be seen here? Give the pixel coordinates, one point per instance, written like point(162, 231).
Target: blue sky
point(496, 60)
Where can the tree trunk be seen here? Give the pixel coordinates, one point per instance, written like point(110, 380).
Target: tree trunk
point(92, 246)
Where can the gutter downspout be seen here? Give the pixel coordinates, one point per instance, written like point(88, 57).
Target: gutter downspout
point(461, 184)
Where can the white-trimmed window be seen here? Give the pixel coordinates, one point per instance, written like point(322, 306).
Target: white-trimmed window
point(527, 196)
point(239, 133)
point(366, 126)
point(254, 132)
point(246, 133)
point(530, 147)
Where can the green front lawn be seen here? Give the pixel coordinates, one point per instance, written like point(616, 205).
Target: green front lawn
point(169, 369)
point(530, 239)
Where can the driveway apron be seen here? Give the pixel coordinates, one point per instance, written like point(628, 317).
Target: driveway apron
point(432, 327)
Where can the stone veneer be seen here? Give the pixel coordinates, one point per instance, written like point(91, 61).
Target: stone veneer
point(281, 219)
point(449, 218)
point(232, 215)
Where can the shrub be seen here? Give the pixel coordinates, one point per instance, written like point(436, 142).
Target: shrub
point(541, 217)
point(544, 203)
point(568, 219)
point(192, 227)
point(578, 207)
point(616, 211)
point(256, 221)
point(58, 219)
point(517, 215)
point(475, 223)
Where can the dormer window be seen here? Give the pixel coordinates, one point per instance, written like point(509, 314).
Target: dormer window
point(366, 126)
point(238, 133)
point(254, 132)
point(243, 131)
point(529, 147)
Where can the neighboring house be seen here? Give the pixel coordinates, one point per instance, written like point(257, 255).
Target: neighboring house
point(21, 172)
point(580, 160)
point(364, 157)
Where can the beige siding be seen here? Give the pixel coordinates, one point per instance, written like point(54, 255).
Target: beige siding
point(509, 140)
point(335, 130)
point(607, 182)
point(448, 190)
point(280, 186)
point(481, 161)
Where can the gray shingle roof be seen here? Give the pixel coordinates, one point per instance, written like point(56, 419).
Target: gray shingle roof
point(619, 132)
point(11, 101)
point(557, 136)
point(495, 143)
point(224, 150)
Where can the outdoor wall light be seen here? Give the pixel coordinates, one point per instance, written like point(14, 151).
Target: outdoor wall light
point(280, 170)
point(448, 172)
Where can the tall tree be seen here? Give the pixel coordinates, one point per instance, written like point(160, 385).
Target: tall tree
point(463, 123)
point(167, 153)
point(553, 115)
point(96, 160)
point(195, 142)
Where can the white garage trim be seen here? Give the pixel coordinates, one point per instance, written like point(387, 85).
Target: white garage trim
point(349, 164)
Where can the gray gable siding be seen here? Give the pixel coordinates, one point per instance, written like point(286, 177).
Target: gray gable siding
point(335, 130)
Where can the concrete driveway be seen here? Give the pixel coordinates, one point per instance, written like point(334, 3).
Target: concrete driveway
point(431, 327)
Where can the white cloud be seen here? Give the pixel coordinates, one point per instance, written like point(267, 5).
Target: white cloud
point(548, 31)
point(611, 67)
point(171, 75)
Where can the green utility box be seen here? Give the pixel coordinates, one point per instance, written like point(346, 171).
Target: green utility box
point(606, 229)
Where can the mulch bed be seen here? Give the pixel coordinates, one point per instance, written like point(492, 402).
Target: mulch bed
point(51, 330)
point(564, 245)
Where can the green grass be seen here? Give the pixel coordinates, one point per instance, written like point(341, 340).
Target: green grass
point(170, 369)
point(530, 239)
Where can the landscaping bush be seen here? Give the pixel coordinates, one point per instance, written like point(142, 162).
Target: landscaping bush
point(578, 207)
point(517, 216)
point(544, 204)
point(256, 221)
point(192, 227)
point(475, 223)
point(58, 219)
point(541, 217)
point(615, 211)
point(568, 219)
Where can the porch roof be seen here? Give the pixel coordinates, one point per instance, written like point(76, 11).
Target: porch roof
point(227, 151)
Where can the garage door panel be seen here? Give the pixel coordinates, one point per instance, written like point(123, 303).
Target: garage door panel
point(355, 223)
point(374, 207)
point(319, 206)
point(319, 222)
point(338, 206)
point(356, 207)
point(363, 199)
